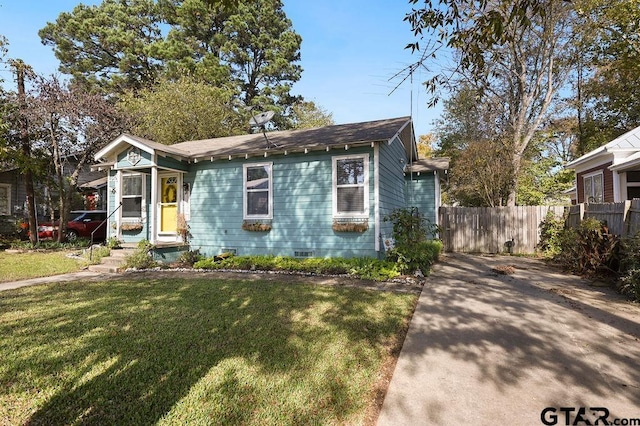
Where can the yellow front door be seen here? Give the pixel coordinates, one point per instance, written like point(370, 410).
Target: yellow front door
point(168, 204)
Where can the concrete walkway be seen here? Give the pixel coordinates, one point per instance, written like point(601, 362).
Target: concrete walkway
point(491, 349)
point(74, 276)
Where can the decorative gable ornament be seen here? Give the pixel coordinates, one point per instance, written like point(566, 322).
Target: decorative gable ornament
point(133, 156)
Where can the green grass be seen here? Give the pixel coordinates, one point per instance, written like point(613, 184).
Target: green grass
point(199, 351)
point(22, 266)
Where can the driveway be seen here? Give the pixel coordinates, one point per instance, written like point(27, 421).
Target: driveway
point(490, 349)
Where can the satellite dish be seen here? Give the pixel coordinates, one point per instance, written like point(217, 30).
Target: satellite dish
point(259, 120)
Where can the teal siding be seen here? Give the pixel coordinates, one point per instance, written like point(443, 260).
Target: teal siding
point(172, 163)
point(302, 208)
point(123, 163)
point(421, 193)
point(393, 159)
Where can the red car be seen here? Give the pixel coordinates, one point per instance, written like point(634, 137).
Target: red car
point(81, 224)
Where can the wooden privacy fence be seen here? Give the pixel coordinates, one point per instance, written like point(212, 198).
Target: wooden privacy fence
point(621, 218)
point(491, 229)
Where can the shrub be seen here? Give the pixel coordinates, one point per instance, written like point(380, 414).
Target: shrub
point(630, 267)
point(190, 257)
point(94, 255)
point(365, 268)
point(589, 248)
point(414, 248)
point(141, 258)
point(551, 229)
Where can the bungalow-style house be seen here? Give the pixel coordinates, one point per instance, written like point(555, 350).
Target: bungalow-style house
point(610, 173)
point(320, 192)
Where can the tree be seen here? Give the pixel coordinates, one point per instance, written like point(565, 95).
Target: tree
point(71, 123)
point(173, 112)
point(108, 46)
point(511, 53)
point(609, 55)
point(247, 46)
point(307, 115)
point(262, 49)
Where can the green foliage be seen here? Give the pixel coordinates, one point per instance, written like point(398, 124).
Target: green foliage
point(551, 231)
point(182, 110)
point(107, 46)
point(307, 115)
point(248, 49)
point(142, 257)
point(112, 242)
point(50, 245)
point(190, 257)
point(364, 268)
point(94, 255)
point(588, 249)
point(630, 267)
point(413, 249)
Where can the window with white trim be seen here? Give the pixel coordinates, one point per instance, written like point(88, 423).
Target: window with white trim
point(351, 186)
point(5, 199)
point(258, 194)
point(132, 195)
point(593, 188)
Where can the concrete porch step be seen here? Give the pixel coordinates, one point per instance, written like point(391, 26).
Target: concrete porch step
point(114, 261)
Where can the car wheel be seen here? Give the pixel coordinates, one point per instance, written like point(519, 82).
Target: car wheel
point(72, 235)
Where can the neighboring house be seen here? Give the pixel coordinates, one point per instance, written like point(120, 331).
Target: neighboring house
point(13, 194)
point(610, 173)
point(320, 192)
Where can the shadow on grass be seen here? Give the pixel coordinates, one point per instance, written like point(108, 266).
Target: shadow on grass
point(128, 352)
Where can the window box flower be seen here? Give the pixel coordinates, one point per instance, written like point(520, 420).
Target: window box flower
point(256, 226)
point(350, 225)
point(131, 226)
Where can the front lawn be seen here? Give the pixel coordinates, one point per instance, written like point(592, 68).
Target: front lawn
point(198, 351)
point(22, 266)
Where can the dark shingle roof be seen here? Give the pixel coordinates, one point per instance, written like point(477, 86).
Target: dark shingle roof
point(341, 134)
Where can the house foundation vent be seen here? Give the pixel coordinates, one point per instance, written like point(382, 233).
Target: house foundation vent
point(303, 253)
point(233, 251)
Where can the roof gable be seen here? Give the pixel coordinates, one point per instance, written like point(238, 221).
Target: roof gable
point(628, 142)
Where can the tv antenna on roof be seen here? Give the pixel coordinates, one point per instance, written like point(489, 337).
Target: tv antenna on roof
point(260, 121)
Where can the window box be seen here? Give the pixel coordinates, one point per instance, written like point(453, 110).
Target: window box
point(131, 227)
point(256, 226)
point(350, 225)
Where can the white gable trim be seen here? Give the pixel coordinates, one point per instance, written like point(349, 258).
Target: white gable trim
point(112, 148)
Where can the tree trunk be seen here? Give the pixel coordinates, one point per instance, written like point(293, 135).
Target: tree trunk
point(25, 147)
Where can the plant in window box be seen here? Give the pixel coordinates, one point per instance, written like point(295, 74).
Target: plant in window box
point(248, 225)
point(131, 226)
point(350, 226)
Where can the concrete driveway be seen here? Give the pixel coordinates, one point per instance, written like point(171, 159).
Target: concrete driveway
point(491, 349)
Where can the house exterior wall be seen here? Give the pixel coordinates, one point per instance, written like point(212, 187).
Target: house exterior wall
point(17, 190)
point(302, 208)
point(607, 182)
point(421, 193)
point(392, 160)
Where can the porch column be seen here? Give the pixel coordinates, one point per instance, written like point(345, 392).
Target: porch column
point(153, 205)
point(617, 196)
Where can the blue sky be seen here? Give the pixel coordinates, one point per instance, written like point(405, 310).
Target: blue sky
point(350, 51)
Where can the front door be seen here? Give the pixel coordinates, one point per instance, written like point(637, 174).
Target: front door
point(168, 214)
